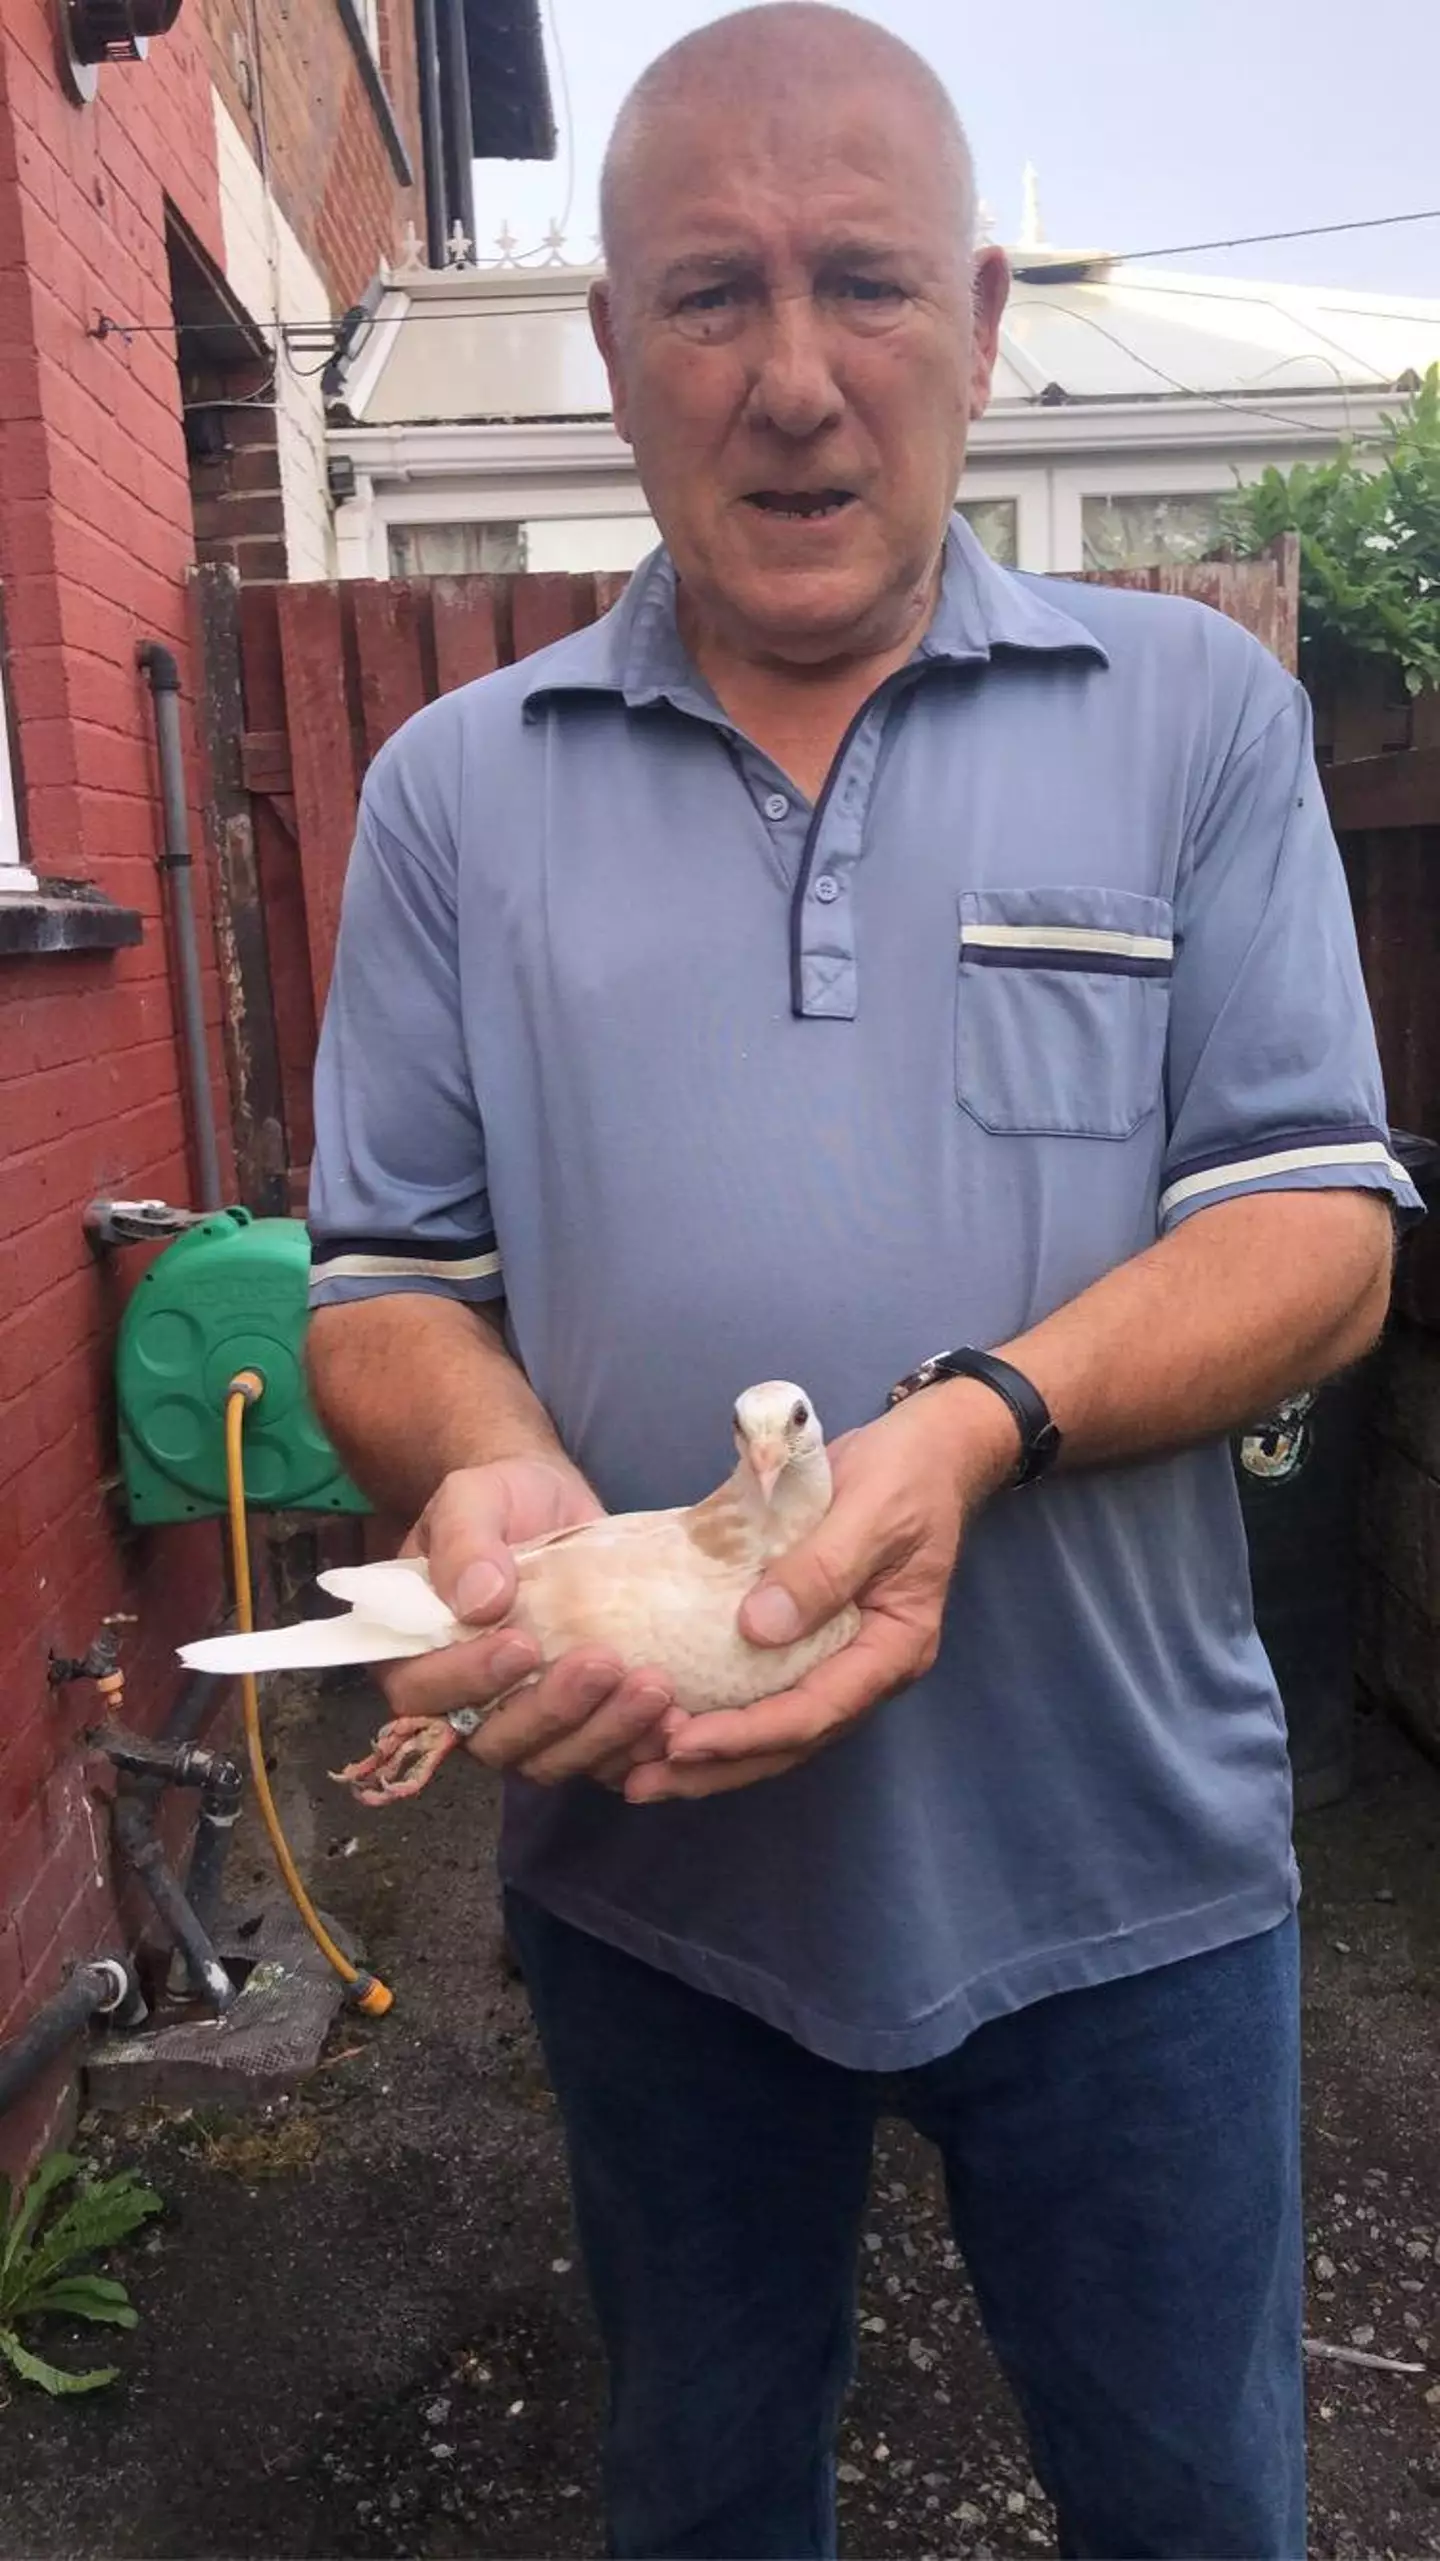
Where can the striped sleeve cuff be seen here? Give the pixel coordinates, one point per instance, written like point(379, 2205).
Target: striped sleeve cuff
point(351, 1267)
point(1343, 1159)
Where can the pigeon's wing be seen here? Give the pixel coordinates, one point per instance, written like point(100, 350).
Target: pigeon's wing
point(314, 1641)
point(613, 1529)
point(639, 1593)
point(396, 1593)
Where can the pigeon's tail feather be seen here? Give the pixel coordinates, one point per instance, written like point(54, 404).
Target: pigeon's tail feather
point(398, 1591)
point(314, 1641)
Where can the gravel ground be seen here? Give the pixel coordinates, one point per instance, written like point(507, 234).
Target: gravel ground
point(364, 2331)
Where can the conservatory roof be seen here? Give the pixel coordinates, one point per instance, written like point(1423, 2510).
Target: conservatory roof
point(512, 342)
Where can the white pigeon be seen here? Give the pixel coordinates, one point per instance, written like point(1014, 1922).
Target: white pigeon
point(661, 1590)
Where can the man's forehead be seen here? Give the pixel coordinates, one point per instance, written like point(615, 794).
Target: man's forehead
point(843, 121)
point(699, 187)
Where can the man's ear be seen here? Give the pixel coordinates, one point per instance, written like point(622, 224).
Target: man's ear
point(990, 291)
point(607, 339)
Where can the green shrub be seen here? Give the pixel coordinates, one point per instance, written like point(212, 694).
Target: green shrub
point(1369, 528)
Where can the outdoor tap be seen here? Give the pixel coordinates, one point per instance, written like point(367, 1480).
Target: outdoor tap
point(100, 1663)
point(135, 1222)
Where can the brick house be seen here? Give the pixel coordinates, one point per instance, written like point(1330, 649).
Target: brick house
point(181, 237)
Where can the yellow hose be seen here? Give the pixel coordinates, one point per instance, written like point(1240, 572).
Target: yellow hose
point(366, 1990)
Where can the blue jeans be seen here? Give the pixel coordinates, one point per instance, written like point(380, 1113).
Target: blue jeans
point(1122, 2166)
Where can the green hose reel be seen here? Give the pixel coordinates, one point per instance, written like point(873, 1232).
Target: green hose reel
point(229, 1294)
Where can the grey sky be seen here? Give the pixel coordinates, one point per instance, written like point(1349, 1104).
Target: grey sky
point(1149, 121)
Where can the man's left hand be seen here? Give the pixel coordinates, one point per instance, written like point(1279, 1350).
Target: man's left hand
point(906, 1488)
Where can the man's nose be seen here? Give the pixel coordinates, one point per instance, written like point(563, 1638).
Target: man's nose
point(794, 391)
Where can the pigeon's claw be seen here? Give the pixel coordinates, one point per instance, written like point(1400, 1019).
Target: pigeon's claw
point(406, 1755)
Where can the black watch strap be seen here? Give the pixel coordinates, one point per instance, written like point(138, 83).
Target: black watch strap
point(1039, 1436)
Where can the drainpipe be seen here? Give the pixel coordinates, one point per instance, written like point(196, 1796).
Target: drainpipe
point(175, 1762)
point(133, 1821)
point(432, 134)
point(147, 1767)
point(193, 1701)
point(160, 667)
point(132, 1824)
point(106, 1989)
point(220, 1793)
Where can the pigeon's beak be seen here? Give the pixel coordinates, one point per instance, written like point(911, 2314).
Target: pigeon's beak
point(769, 1457)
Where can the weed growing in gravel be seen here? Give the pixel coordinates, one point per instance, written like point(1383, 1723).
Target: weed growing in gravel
point(43, 2262)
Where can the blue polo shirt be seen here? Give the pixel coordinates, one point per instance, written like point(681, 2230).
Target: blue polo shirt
point(713, 1085)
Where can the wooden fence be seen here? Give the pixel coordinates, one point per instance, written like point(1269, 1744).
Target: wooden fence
point(303, 684)
point(1381, 764)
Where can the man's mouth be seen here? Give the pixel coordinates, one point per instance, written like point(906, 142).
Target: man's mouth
point(800, 505)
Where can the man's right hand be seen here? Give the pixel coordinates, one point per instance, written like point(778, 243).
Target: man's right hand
point(584, 1716)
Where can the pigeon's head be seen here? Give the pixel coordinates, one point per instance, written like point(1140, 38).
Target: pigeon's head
point(776, 1424)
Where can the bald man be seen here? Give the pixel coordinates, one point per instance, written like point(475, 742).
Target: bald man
point(851, 962)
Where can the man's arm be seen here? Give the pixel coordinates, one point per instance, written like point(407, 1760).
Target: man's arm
point(1210, 1327)
point(413, 1388)
point(1201, 1333)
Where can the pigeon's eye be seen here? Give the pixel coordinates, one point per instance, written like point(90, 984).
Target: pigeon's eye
point(800, 1417)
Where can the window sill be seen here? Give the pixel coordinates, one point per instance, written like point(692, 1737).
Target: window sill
point(63, 916)
point(376, 92)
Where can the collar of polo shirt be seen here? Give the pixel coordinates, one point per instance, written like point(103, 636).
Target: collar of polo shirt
point(637, 651)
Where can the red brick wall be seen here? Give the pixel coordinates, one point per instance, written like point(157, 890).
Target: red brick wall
point(329, 167)
point(95, 543)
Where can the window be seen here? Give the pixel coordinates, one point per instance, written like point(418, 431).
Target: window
point(996, 523)
point(15, 878)
point(1122, 532)
point(612, 543)
point(452, 551)
point(448, 547)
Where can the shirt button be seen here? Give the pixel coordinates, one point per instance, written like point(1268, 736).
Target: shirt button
point(776, 805)
point(827, 888)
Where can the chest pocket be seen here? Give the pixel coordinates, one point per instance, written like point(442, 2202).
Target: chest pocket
point(1061, 1008)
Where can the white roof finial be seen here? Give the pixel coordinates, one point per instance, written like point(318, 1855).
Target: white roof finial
point(1032, 228)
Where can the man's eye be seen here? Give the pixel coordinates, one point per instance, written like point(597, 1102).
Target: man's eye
point(870, 289)
point(707, 298)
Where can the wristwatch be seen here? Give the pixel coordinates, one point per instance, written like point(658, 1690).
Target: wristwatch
point(1039, 1436)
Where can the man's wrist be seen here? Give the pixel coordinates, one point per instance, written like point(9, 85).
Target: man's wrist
point(1036, 1429)
point(978, 1435)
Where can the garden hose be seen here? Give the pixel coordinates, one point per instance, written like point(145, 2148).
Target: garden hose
point(366, 1991)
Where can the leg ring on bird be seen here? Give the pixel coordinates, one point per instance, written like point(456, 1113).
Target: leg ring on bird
point(465, 1720)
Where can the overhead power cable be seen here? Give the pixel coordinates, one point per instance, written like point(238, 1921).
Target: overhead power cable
point(1051, 271)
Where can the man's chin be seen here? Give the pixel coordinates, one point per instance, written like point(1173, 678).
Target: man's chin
point(804, 615)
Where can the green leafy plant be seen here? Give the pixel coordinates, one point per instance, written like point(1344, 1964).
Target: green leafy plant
point(1369, 528)
point(43, 2255)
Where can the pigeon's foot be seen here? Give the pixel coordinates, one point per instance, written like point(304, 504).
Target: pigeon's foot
point(407, 1754)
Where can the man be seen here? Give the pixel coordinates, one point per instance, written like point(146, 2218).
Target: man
point(844, 953)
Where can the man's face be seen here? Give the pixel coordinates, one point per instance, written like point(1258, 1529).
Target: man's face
point(796, 345)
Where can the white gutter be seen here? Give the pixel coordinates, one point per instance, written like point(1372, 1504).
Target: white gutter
point(548, 448)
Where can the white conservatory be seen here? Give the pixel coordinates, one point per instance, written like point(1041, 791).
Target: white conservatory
point(473, 431)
